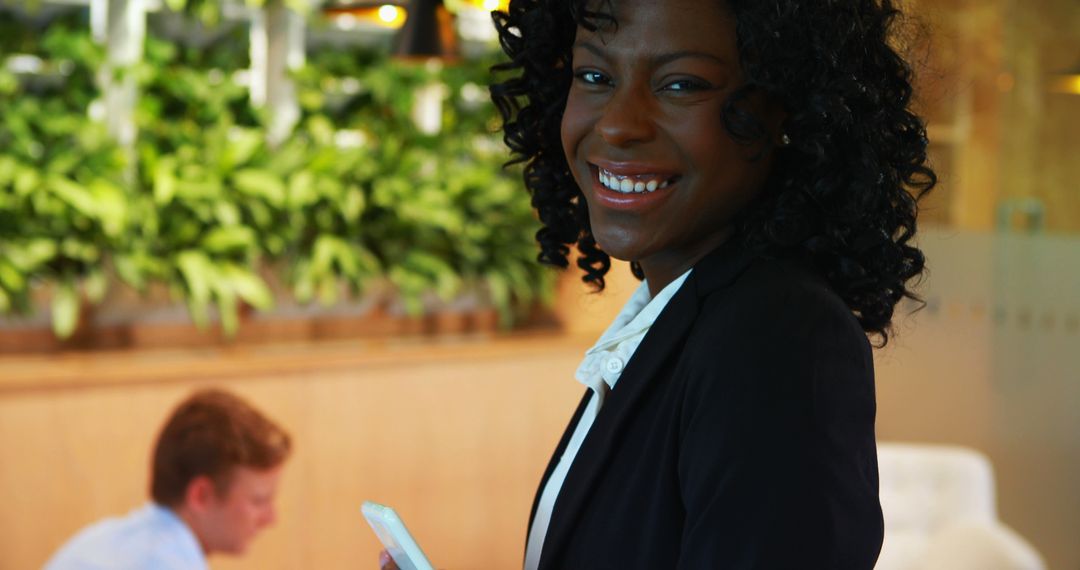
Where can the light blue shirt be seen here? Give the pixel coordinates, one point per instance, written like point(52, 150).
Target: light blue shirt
point(148, 538)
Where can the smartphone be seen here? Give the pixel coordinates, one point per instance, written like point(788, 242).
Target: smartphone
point(395, 537)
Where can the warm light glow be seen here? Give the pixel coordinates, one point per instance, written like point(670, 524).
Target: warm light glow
point(345, 21)
point(1066, 84)
point(385, 16)
point(389, 13)
point(489, 5)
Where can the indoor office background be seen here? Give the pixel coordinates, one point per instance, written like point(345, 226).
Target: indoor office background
point(294, 201)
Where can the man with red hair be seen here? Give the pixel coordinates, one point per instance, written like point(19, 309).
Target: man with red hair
point(215, 472)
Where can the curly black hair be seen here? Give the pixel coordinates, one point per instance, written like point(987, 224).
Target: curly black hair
point(844, 194)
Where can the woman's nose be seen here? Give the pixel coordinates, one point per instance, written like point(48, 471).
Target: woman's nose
point(626, 118)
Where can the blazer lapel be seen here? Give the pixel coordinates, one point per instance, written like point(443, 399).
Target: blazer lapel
point(716, 270)
point(559, 450)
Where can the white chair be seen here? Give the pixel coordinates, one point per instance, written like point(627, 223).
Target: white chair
point(941, 514)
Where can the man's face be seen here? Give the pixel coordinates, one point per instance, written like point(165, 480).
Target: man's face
point(235, 516)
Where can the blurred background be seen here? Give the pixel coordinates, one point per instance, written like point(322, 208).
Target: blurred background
point(303, 202)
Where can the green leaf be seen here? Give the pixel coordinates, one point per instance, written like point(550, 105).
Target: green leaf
point(111, 206)
point(130, 271)
point(366, 261)
point(227, 213)
point(353, 205)
point(323, 254)
point(262, 215)
point(302, 189)
point(165, 180)
point(322, 130)
point(8, 168)
point(198, 273)
point(249, 287)
point(26, 181)
point(260, 184)
point(228, 311)
point(84, 251)
point(226, 239)
point(10, 277)
point(303, 282)
point(30, 254)
point(200, 312)
point(65, 310)
point(242, 146)
point(75, 195)
point(63, 164)
point(96, 285)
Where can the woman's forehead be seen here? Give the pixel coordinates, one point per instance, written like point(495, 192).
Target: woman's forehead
point(661, 26)
point(628, 8)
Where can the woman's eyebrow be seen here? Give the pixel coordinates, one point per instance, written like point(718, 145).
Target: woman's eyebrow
point(591, 48)
point(669, 57)
point(658, 59)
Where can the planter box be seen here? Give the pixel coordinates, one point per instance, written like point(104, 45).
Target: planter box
point(128, 320)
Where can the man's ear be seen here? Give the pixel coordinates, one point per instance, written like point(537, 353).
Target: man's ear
point(201, 494)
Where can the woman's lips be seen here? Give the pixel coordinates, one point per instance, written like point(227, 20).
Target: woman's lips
point(640, 186)
point(627, 183)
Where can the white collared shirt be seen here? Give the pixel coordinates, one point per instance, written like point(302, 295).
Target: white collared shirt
point(599, 371)
point(148, 537)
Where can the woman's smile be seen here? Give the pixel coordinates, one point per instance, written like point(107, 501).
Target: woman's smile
point(631, 186)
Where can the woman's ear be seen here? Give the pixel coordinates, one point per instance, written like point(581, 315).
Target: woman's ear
point(776, 118)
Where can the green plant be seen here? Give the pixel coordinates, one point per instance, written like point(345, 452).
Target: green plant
point(441, 214)
point(207, 200)
point(357, 194)
point(63, 206)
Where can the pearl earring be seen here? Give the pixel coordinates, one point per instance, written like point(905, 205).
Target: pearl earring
point(785, 140)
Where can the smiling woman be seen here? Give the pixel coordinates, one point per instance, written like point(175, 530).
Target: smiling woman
point(758, 164)
point(643, 116)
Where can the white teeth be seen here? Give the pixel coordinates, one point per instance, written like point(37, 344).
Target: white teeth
point(625, 185)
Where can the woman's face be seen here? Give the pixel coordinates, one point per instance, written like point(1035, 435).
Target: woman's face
point(643, 135)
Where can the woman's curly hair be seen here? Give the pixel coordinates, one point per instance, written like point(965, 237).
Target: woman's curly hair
point(843, 194)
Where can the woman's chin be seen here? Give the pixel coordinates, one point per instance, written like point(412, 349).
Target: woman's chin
point(621, 247)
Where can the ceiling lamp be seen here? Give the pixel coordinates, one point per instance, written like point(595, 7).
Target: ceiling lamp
point(428, 32)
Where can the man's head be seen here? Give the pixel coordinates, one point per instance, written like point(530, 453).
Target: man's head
point(216, 464)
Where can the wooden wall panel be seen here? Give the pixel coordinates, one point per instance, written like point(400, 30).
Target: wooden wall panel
point(456, 442)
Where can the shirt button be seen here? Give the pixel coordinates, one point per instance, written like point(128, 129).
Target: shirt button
point(614, 365)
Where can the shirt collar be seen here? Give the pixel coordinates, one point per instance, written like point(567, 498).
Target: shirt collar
point(168, 518)
point(638, 314)
point(604, 362)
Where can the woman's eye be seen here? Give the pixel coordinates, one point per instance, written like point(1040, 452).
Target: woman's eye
point(592, 77)
point(683, 85)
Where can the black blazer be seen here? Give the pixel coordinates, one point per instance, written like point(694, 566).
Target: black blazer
point(740, 435)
